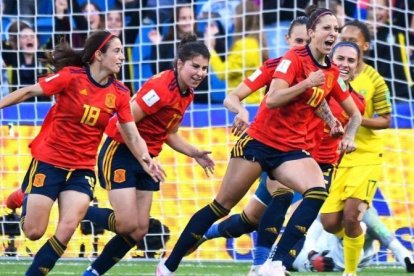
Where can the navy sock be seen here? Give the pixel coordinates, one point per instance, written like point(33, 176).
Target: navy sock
point(103, 217)
point(235, 226)
point(271, 223)
point(195, 229)
point(113, 252)
point(46, 258)
point(293, 253)
point(301, 220)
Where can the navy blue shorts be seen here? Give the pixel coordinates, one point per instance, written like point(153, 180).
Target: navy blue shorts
point(269, 158)
point(263, 195)
point(46, 179)
point(119, 169)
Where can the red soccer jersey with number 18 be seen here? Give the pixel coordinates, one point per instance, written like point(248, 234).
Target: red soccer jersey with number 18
point(285, 128)
point(75, 124)
point(163, 103)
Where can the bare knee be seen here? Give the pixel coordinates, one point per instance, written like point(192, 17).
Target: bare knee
point(126, 227)
point(140, 232)
point(331, 223)
point(33, 233)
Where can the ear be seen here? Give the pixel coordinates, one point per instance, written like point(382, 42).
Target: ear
point(98, 55)
point(311, 33)
point(287, 38)
point(365, 47)
point(180, 64)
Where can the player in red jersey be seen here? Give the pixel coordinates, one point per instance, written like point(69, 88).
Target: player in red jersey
point(158, 108)
point(276, 140)
point(64, 153)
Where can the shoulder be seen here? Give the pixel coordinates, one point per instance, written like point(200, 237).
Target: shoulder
point(120, 87)
point(74, 70)
point(272, 62)
point(162, 82)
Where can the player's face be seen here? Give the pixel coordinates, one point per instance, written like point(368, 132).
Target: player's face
point(346, 58)
point(325, 33)
point(192, 72)
point(113, 58)
point(114, 22)
point(297, 37)
point(354, 34)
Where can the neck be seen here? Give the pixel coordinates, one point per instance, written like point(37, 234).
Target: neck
point(100, 76)
point(28, 58)
point(317, 55)
point(181, 85)
point(360, 67)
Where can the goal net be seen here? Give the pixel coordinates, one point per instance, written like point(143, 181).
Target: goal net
point(206, 123)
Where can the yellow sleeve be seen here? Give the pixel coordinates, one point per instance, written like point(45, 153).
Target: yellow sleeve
point(381, 97)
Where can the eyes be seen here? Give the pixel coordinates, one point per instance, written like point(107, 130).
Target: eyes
point(299, 40)
point(198, 66)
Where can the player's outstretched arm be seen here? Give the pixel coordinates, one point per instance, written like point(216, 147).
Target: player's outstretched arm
point(22, 94)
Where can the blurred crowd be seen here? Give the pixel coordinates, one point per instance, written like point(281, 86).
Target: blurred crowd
point(240, 37)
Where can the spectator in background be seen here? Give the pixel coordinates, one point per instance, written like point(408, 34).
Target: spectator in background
point(123, 20)
point(24, 9)
point(222, 10)
point(277, 16)
point(164, 50)
point(87, 17)
point(248, 50)
point(22, 55)
point(389, 54)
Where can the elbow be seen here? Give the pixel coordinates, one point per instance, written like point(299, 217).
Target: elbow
point(272, 103)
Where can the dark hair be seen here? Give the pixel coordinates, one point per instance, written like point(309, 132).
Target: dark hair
point(362, 27)
point(316, 15)
point(301, 20)
point(343, 44)
point(64, 55)
point(189, 47)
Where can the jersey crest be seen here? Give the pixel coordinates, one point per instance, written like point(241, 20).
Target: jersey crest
point(110, 100)
point(39, 180)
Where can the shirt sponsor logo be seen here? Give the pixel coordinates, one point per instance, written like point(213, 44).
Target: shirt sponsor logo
point(39, 180)
point(110, 100)
point(254, 76)
point(51, 77)
point(283, 66)
point(151, 98)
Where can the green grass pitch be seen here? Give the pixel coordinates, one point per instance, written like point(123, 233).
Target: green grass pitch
point(125, 268)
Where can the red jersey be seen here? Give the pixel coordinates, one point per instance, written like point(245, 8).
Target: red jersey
point(262, 76)
point(75, 124)
point(164, 104)
point(326, 150)
point(286, 128)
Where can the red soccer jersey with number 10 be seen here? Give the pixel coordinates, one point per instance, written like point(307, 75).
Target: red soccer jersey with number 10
point(75, 124)
point(163, 103)
point(285, 128)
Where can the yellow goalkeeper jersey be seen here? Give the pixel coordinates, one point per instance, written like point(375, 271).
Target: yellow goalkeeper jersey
point(369, 144)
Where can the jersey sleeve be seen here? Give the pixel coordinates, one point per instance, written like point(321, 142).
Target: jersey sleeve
point(150, 98)
point(124, 112)
point(288, 67)
point(339, 91)
point(55, 83)
point(259, 78)
point(381, 99)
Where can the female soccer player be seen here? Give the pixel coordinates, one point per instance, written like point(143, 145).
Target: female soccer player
point(64, 152)
point(358, 173)
point(158, 110)
point(276, 141)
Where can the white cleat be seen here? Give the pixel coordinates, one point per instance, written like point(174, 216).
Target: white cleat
point(162, 270)
point(273, 268)
point(349, 274)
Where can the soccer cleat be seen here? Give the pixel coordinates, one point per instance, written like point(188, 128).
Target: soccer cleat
point(273, 268)
point(409, 265)
point(15, 199)
point(162, 270)
point(254, 270)
point(197, 245)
